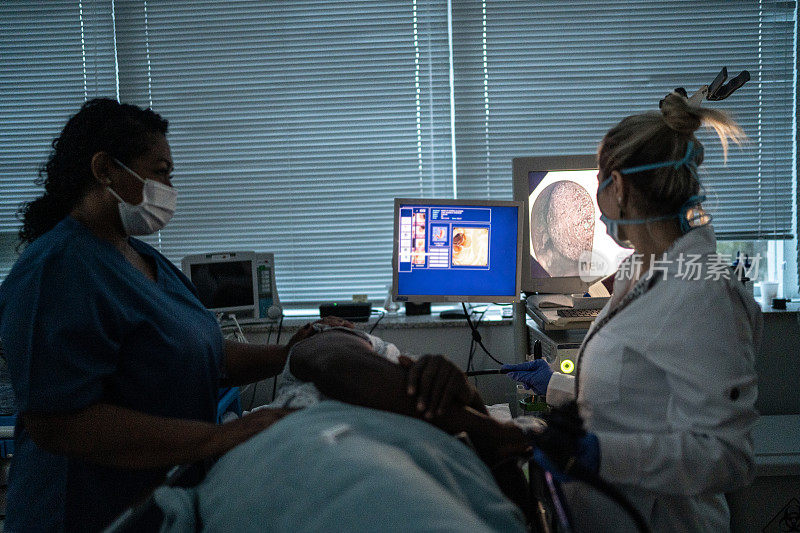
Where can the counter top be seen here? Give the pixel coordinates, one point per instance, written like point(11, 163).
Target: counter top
point(791, 307)
point(492, 317)
point(776, 441)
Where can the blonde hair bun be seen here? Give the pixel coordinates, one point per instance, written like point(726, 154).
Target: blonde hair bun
point(680, 115)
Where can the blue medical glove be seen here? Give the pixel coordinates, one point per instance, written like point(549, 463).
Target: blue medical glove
point(563, 447)
point(587, 457)
point(534, 375)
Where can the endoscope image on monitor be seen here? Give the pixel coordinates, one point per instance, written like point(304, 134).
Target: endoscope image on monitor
point(565, 243)
point(456, 250)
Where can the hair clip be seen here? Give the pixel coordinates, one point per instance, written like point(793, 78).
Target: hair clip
point(716, 90)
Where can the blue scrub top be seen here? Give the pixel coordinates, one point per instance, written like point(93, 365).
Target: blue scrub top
point(81, 326)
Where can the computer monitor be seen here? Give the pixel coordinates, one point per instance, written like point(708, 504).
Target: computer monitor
point(241, 283)
point(566, 247)
point(456, 250)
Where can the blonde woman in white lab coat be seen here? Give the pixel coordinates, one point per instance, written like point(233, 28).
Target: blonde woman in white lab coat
point(665, 379)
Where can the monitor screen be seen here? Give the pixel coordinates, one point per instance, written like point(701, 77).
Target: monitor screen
point(224, 285)
point(565, 242)
point(456, 250)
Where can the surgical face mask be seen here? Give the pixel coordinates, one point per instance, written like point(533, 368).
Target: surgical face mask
point(155, 210)
point(613, 224)
point(612, 229)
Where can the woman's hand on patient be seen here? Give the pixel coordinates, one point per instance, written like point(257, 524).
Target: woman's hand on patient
point(301, 334)
point(437, 384)
point(234, 433)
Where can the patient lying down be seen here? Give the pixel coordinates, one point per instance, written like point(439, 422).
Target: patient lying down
point(362, 453)
point(361, 369)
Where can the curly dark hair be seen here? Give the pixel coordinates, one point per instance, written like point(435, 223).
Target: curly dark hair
point(102, 125)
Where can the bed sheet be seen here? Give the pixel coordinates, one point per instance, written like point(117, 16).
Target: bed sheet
point(339, 467)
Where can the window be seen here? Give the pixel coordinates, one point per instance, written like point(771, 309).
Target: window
point(295, 124)
point(55, 56)
point(551, 77)
point(294, 127)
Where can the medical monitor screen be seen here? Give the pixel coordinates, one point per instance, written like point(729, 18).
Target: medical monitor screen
point(566, 244)
point(451, 250)
point(225, 284)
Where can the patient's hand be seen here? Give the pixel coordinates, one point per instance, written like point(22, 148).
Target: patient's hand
point(438, 384)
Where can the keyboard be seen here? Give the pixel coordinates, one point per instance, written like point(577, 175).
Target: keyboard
point(578, 313)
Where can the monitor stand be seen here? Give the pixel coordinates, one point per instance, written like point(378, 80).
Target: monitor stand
point(453, 314)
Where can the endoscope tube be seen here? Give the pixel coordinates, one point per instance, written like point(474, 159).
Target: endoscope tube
point(486, 372)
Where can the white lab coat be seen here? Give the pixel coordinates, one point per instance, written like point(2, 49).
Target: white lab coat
point(668, 386)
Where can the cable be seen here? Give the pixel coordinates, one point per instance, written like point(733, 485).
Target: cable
point(239, 333)
point(576, 471)
point(255, 385)
point(241, 338)
point(488, 372)
point(557, 497)
point(471, 353)
point(477, 336)
point(382, 314)
point(277, 341)
point(598, 483)
point(473, 346)
point(280, 326)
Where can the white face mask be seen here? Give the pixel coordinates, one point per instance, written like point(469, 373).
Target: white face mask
point(155, 210)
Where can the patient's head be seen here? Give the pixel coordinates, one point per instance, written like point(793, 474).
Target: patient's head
point(332, 340)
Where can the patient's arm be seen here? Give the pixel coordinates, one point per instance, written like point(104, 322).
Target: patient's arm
point(344, 367)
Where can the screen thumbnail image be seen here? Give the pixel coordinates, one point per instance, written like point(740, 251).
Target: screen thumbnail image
point(419, 224)
point(439, 234)
point(470, 246)
point(418, 255)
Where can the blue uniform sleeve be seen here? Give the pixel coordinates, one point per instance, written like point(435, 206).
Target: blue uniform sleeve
point(68, 338)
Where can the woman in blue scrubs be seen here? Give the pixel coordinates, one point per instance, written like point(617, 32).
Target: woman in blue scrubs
point(115, 362)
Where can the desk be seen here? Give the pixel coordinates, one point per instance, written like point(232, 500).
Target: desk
point(778, 362)
point(760, 506)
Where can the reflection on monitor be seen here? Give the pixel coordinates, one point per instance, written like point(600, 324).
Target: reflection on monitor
point(456, 250)
point(566, 245)
point(223, 285)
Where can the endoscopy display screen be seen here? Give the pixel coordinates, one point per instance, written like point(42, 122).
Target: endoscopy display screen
point(566, 236)
point(453, 250)
point(224, 284)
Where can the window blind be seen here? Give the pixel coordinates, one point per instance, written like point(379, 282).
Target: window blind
point(55, 55)
point(551, 77)
point(293, 125)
